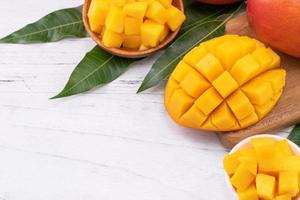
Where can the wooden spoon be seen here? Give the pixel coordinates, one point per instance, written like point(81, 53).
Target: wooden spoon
point(287, 111)
point(125, 52)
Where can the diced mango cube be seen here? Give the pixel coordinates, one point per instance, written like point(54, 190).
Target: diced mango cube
point(250, 162)
point(157, 12)
point(115, 20)
point(268, 159)
point(242, 178)
point(208, 101)
point(132, 26)
point(265, 185)
point(118, 3)
point(275, 77)
point(164, 34)
point(240, 105)
point(231, 163)
point(291, 163)
point(283, 148)
point(249, 194)
point(247, 44)
point(97, 14)
point(174, 18)
point(171, 88)
point(151, 33)
point(288, 183)
point(262, 141)
point(225, 84)
point(132, 41)
point(136, 9)
point(166, 3)
point(112, 39)
point(194, 84)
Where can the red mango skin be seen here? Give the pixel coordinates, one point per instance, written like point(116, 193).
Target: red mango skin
point(277, 23)
point(219, 2)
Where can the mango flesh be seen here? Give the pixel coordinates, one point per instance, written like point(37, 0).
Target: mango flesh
point(266, 169)
point(276, 30)
point(225, 84)
point(134, 24)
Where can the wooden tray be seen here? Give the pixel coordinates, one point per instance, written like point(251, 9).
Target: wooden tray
point(287, 112)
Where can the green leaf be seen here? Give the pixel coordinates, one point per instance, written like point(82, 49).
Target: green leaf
point(53, 27)
point(295, 135)
point(97, 68)
point(195, 32)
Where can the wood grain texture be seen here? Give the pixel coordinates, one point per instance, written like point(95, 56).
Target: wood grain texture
point(126, 53)
point(287, 111)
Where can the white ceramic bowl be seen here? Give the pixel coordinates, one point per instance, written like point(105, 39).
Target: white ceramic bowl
point(246, 143)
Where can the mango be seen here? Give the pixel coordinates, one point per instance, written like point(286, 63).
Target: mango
point(288, 183)
point(242, 178)
point(266, 169)
point(230, 83)
point(134, 24)
point(283, 197)
point(278, 31)
point(265, 186)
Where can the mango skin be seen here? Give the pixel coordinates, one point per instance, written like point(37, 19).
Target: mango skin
point(277, 23)
point(219, 2)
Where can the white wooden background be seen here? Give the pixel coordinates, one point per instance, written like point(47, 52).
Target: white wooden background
point(108, 144)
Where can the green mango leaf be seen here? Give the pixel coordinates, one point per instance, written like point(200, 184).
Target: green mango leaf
point(295, 135)
point(97, 68)
point(195, 31)
point(53, 27)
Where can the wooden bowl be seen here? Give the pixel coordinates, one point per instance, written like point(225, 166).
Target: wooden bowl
point(125, 52)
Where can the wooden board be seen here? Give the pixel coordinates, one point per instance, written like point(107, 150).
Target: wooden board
point(287, 112)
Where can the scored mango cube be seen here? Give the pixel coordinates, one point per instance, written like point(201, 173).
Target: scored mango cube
point(151, 33)
point(174, 18)
point(241, 81)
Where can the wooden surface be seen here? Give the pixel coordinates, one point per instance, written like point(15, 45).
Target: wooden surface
point(130, 53)
point(286, 112)
point(108, 144)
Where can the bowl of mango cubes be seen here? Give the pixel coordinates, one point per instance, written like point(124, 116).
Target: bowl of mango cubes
point(133, 28)
point(263, 167)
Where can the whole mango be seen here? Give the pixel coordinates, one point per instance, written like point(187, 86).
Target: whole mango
point(225, 84)
point(219, 2)
point(277, 23)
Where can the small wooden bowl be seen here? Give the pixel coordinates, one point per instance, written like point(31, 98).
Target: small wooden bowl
point(125, 52)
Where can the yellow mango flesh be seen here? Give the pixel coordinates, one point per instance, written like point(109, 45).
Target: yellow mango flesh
point(249, 194)
point(265, 185)
point(231, 81)
point(272, 163)
point(142, 24)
